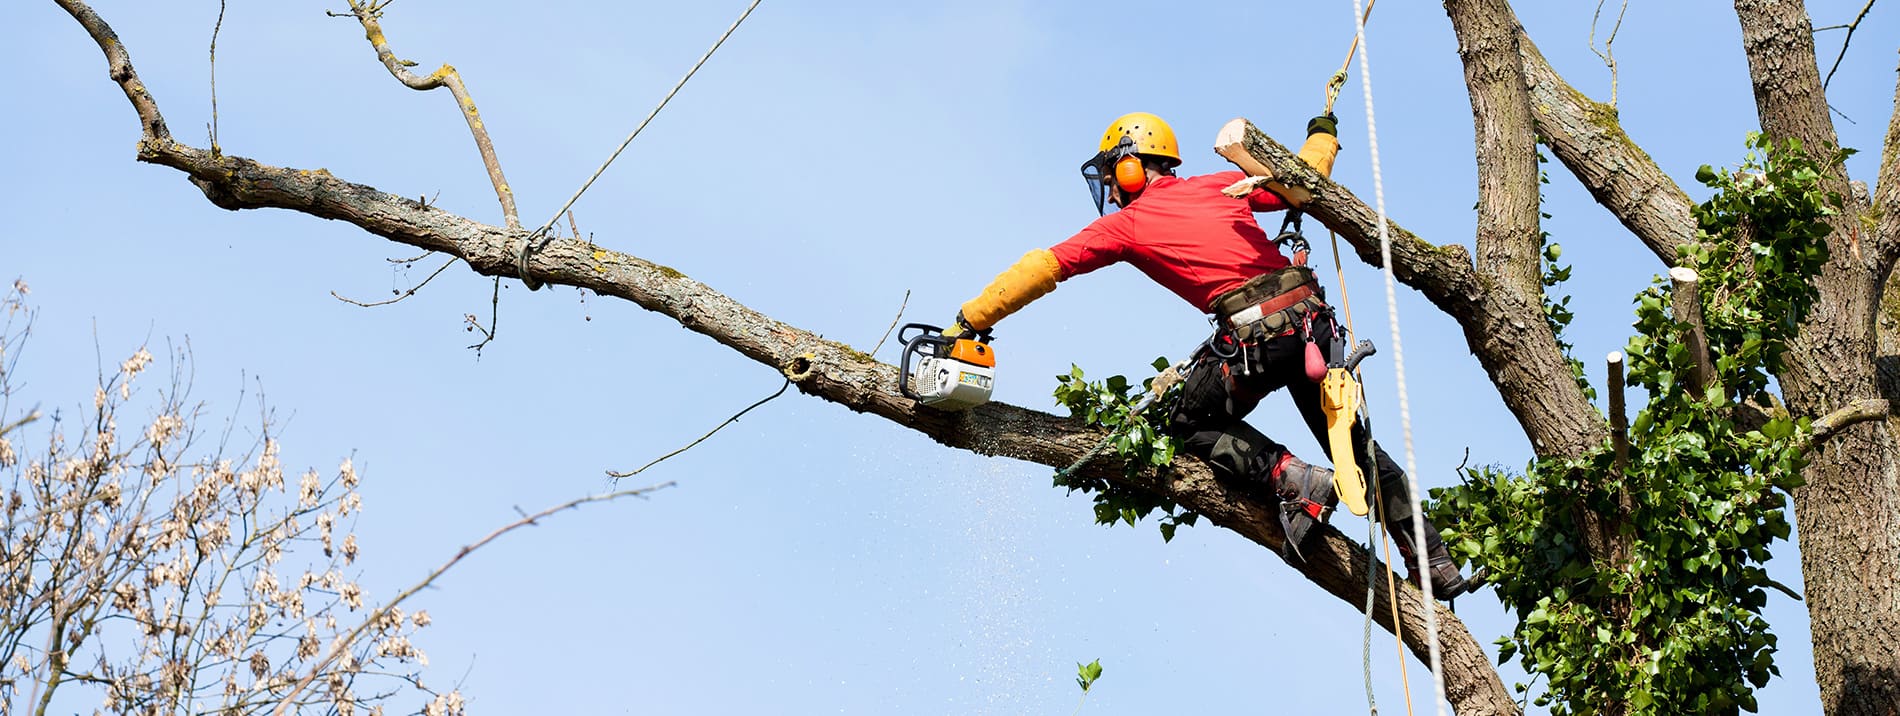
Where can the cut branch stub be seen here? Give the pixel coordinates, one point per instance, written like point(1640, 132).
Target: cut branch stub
point(1687, 306)
point(1619, 418)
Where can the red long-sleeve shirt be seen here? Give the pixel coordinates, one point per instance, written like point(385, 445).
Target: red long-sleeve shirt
point(1183, 233)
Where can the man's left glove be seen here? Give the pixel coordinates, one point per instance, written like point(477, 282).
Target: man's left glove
point(958, 328)
point(1323, 124)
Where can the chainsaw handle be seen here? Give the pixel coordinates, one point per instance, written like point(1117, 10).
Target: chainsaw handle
point(923, 344)
point(1359, 353)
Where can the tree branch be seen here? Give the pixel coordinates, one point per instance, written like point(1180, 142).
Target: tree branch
point(343, 644)
point(827, 369)
point(1509, 238)
point(1855, 413)
point(1587, 138)
point(1886, 199)
point(445, 76)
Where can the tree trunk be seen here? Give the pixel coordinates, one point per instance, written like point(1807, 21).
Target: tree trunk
point(1849, 511)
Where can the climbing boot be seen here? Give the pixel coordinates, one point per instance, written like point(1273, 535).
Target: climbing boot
point(1447, 583)
point(1306, 499)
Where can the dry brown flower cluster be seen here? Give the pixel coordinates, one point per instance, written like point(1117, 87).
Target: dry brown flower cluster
point(157, 579)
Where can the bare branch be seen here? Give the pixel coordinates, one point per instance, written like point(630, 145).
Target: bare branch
point(215, 28)
point(367, 13)
point(494, 320)
point(735, 418)
point(1851, 27)
point(894, 320)
point(1855, 413)
point(1587, 138)
point(15, 425)
point(1608, 55)
point(405, 294)
point(343, 644)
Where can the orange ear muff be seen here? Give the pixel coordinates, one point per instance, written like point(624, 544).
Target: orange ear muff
point(1130, 175)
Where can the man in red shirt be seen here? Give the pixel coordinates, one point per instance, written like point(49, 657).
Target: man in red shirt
point(1207, 248)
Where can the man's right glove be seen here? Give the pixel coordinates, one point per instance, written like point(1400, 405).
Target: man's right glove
point(1322, 144)
point(1323, 124)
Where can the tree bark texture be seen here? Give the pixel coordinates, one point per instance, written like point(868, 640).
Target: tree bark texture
point(1849, 511)
point(826, 369)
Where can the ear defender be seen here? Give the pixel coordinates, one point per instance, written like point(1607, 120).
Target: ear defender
point(1130, 175)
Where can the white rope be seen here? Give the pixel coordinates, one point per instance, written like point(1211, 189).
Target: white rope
point(1398, 361)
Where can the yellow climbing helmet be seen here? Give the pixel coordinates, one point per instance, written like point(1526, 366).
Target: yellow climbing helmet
point(1152, 136)
point(1118, 161)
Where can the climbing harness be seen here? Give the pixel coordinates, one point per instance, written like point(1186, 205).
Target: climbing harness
point(539, 238)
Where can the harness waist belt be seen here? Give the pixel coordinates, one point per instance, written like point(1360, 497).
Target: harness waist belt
point(1269, 307)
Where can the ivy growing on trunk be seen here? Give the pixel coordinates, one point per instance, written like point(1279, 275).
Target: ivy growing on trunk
point(1668, 620)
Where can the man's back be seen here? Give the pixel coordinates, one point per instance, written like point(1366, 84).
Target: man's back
point(1183, 233)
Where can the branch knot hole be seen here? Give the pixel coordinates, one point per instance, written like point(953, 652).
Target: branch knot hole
point(801, 368)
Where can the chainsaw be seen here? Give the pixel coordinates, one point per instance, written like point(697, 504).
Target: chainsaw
point(950, 373)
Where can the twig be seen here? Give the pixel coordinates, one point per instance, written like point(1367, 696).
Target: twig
point(215, 150)
point(894, 320)
point(342, 645)
point(702, 438)
point(405, 294)
point(1608, 55)
point(411, 259)
point(31, 416)
point(367, 12)
point(1851, 27)
point(494, 320)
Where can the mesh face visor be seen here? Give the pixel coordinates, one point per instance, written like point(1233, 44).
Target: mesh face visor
point(1097, 169)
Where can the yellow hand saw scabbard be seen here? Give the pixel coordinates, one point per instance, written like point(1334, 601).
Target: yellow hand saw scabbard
point(1339, 399)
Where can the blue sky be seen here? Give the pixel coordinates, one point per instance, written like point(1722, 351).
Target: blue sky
point(834, 156)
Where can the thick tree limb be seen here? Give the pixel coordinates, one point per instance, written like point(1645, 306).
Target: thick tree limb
point(1504, 329)
point(1886, 199)
point(1587, 138)
point(828, 370)
point(1508, 239)
point(1848, 513)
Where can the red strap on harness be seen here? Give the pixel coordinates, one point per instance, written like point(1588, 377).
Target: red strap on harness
point(1271, 306)
point(1311, 508)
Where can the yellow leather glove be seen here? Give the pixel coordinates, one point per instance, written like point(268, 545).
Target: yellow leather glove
point(1030, 278)
point(1319, 151)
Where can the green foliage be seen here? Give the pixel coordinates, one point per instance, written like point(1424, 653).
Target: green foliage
point(1557, 313)
point(1086, 674)
point(1677, 628)
point(1110, 404)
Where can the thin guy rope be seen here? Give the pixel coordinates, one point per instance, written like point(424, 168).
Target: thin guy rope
point(643, 123)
